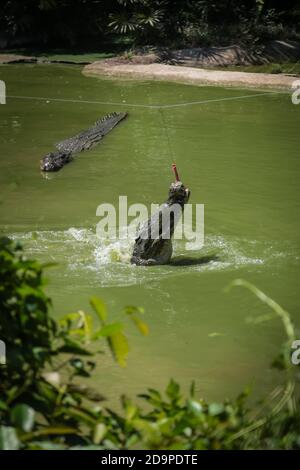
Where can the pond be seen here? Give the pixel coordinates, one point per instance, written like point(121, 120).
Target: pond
point(237, 150)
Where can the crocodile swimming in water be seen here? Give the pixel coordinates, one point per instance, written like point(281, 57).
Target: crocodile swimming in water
point(153, 244)
point(85, 140)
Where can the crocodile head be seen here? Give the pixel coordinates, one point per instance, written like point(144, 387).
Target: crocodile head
point(54, 161)
point(178, 194)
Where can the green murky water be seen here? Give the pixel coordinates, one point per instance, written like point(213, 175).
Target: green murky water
point(239, 157)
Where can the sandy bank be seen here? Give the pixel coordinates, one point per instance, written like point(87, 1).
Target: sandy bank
point(190, 75)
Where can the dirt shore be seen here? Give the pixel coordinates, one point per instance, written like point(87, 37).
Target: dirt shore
point(189, 75)
point(15, 59)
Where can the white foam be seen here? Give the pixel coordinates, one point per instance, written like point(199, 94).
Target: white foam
point(78, 250)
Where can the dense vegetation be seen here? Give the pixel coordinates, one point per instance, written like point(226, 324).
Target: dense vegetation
point(99, 24)
point(46, 401)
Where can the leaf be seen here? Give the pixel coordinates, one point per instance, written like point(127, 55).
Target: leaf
point(86, 324)
point(131, 410)
point(173, 390)
point(109, 330)
point(3, 406)
point(8, 438)
point(47, 391)
point(69, 317)
point(215, 409)
point(141, 326)
point(52, 378)
point(131, 309)
point(100, 308)
point(83, 324)
point(194, 407)
point(49, 431)
point(79, 415)
point(22, 416)
point(73, 347)
point(192, 389)
point(45, 445)
point(152, 397)
point(119, 346)
point(133, 312)
point(99, 433)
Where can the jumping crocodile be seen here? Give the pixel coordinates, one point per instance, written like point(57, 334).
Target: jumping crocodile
point(85, 140)
point(153, 244)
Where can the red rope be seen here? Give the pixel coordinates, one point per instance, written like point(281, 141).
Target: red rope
point(174, 168)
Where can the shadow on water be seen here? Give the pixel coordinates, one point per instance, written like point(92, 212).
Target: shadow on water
point(185, 261)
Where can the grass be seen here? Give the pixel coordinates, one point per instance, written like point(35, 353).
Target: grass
point(62, 55)
point(84, 57)
point(288, 67)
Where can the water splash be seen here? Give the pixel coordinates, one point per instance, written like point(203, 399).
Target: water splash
point(107, 262)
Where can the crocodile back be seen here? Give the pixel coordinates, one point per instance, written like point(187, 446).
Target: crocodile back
point(88, 138)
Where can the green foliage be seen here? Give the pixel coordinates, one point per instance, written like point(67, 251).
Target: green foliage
point(39, 393)
point(147, 22)
point(47, 403)
point(287, 67)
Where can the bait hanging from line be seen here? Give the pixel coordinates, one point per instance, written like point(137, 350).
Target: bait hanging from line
point(174, 168)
